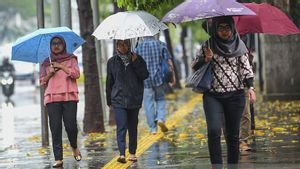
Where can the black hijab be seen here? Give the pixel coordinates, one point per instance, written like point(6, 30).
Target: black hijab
point(234, 46)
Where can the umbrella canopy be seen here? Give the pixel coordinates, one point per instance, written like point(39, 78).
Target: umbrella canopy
point(269, 20)
point(191, 10)
point(129, 24)
point(35, 47)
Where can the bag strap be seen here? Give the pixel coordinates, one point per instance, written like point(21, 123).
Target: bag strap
point(162, 53)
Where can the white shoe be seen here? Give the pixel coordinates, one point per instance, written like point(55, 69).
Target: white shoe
point(153, 132)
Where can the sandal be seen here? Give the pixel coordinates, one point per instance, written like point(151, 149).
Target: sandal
point(77, 157)
point(121, 159)
point(132, 159)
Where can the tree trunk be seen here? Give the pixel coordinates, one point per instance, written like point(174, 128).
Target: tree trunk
point(93, 115)
point(44, 112)
point(170, 48)
point(184, 55)
point(116, 10)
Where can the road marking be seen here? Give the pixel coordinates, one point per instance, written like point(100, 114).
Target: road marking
point(149, 139)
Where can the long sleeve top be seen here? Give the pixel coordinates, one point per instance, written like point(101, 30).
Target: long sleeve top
point(124, 84)
point(61, 86)
point(152, 51)
point(229, 73)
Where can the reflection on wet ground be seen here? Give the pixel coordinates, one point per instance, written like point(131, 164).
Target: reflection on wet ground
point(275, 145)
point(26, 151)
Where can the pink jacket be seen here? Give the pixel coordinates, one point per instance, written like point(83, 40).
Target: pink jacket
point(61, 86)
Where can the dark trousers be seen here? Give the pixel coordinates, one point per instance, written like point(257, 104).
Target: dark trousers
point(66, 111)
point(126, 119)
point(219, 111)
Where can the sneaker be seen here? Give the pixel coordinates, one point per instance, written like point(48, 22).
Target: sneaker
point(162, 126)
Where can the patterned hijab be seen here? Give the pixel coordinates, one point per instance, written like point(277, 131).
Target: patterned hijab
point(127, 56)
point(234, 46)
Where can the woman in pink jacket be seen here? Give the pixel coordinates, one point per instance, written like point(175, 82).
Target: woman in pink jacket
point(58, 76)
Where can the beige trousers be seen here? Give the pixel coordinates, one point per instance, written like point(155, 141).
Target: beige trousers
point(245, 125)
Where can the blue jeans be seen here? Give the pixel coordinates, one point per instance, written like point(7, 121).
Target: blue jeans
point(155, 106)
point(126, 119)
point(220, 110)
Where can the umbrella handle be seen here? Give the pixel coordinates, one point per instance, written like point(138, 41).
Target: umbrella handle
point(56, 69)
point(207, 28)
point(50, 60)
point(137, 43)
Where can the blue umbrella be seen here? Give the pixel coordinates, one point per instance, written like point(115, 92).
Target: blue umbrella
point(191, 10)
point(35, 47)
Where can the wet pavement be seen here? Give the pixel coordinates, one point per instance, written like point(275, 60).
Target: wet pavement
point(275, 145)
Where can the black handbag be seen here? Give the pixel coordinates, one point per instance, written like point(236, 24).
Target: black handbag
point(201, 80)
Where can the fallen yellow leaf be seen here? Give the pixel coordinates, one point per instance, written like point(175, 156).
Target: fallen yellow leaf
point(200, 136)
point(259, 133)
point(183, 135)
point(278, 129)
point(42, 151)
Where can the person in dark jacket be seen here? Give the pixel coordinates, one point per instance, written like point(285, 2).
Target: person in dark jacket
point(7, 66)
point(126, 72)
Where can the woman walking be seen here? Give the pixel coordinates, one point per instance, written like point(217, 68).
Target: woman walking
point(61, 97)
point(225, 101)
point(126, 72)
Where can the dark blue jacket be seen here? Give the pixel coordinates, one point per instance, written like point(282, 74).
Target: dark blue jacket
point(124, 85)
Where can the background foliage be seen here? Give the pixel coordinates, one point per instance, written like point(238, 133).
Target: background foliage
point(11, 10)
